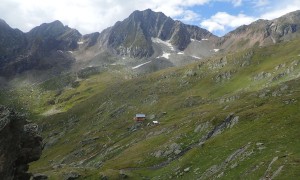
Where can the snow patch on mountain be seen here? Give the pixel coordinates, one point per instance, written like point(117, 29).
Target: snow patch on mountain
point(195, 40)
point(165, 55)
point(135, 67)
point(167, 43)
point(196, 57)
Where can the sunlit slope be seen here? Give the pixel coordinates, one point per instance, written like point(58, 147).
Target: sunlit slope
point(234, 116)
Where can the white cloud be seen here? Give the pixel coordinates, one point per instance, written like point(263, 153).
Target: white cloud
point(280, 12)
point(88, 15)
point(94, 15)
point(237, 3)
point(222, 21)
point(190, 16)
point(212, 26)
point(260, 3)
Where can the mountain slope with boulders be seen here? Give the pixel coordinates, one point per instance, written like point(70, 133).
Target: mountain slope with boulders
point(232, 116)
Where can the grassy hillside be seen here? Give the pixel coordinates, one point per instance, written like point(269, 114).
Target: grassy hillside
point(235, 116)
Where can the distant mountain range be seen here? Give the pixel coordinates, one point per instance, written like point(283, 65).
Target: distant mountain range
point(145, 41)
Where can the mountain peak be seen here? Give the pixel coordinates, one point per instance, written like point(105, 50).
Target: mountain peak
point(145, 15)
point(132, 36)
point(143, 11)
point(3, 24)
point(2, 21)
point(52, 29)
point(56, 23)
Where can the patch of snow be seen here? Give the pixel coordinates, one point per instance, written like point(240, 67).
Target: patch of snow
point(165, 55)
point(196, 57)
point(60, 51)
point(113, 64)
point(204, 39)
point(180, 53)
point(193, 40)
point(135, 67)
point(167, 43)
point(80, 42)
point(123, 58)
point(70, 52)
point(216, 50)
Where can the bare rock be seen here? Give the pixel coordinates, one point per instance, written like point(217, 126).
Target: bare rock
point(39, 177)
point(20, 145)
point(187, 169)
point(71, 176)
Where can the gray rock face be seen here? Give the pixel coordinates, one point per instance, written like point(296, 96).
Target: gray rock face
point(12, 41)
point(71, 176)
point(230, 121)
point(132, 37)
point(39, 177)
point(41, 48)
point(20, 145)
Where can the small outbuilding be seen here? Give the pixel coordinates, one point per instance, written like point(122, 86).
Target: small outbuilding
point(140, 117)
point(155, 122)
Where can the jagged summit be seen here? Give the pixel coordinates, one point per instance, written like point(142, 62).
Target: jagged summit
point(52, 29)
point(38, 49)
point(132, 36)
point(3, 23)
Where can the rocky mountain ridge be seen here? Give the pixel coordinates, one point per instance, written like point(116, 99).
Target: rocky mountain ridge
point(39, 49)
point(146, 41)
point(262, 32)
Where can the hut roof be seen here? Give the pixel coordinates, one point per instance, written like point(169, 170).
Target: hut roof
point(140, 115)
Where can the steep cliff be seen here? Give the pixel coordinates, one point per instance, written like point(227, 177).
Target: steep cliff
point(20, 145)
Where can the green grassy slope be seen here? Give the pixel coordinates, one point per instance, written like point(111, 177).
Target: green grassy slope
point(94, 134)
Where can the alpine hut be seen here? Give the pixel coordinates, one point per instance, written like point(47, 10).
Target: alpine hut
point(140, 117)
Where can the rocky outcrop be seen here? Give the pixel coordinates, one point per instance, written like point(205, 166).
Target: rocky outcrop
point(20, 145)
point(217, 171)
point(230, 121)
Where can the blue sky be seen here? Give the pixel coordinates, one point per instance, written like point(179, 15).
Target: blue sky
point(217, 16)
point(222, 16)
